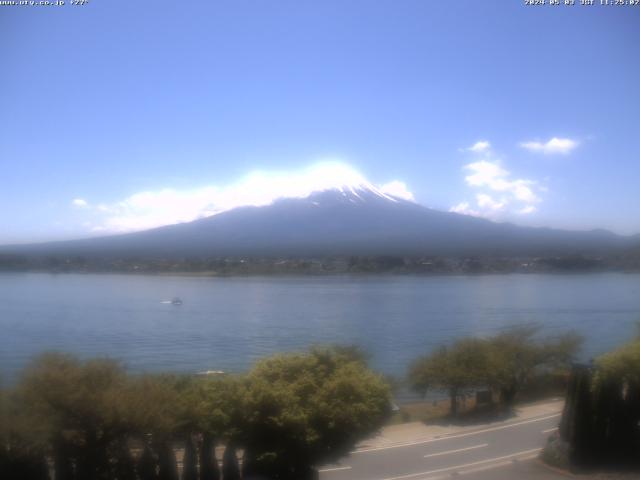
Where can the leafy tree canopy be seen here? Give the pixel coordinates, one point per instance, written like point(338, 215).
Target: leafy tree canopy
point(303, 409)
point(516, 355)
point(65, 393)
point(622, 364)
point(506, 362)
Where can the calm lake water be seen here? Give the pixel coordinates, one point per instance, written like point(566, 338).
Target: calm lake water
point(228, 323)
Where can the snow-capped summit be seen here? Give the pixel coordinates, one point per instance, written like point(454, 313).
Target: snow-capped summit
point(326, 177)
point(356, 195)
point(337, 176)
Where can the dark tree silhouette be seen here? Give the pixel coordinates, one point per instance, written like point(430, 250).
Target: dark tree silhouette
point(189, 469)
point(209, 469)
point(230, 466)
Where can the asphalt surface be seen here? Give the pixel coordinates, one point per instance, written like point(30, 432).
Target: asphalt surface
point(508, 450)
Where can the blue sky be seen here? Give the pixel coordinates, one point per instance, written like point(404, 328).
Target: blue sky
point(119, 111)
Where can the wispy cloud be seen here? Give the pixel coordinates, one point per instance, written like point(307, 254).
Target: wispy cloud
point(480, 146)
point(527, 209)
point(492, 176)
point(498, 192)
point(397, 189)
point(553, 146)
point(149, 209)
point(465, 209)
point(487, 202)
point(79, 203)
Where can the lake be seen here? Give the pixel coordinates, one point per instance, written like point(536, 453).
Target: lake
point(228, 323)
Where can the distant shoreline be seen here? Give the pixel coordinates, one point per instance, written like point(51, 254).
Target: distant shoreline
point(214, 274)
point(322, 266)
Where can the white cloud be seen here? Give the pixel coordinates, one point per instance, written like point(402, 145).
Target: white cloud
point(487, 207)
point(397, 189)
point(553, 146)
point(492, 176)
point(486, 201)
point(79, 203)
point(498, 193)
point(464, 208)
point(485, 173)
point(526, 210)
point(167, 206)
point(460, 208)
point(480, 146)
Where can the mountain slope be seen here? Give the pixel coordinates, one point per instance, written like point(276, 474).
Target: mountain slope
point(342, 221)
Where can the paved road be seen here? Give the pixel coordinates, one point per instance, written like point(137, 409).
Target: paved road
point(502, 450)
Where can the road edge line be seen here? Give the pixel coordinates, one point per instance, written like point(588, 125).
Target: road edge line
point(455, 435)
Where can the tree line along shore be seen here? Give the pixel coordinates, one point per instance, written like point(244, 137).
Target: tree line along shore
point(72, 419)
point(225, 266)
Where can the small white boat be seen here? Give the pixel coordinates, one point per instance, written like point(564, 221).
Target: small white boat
point(176, 301)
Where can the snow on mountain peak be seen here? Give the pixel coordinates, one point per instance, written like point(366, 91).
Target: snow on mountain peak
point(144, 210)
point(344, 178)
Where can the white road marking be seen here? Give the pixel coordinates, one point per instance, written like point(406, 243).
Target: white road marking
point(456, 451)
point(449, 437)
point(335, 469)
point(482, 468)
point(505, 463)
point(465, 465)
point(549, 430)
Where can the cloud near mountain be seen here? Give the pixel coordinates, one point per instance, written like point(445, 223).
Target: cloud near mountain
point(149, 209)
point(498, 195)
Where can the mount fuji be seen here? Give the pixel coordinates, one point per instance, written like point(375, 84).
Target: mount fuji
point(352, 219)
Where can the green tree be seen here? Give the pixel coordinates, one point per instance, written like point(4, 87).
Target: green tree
point(162, 416)
point(221, 418)
point(188, 414)
point(289, 414)
point(348, 352)
point(622, 364)
point(601, 419)
point(517, 355)
point(305, 409)
point(23, 445)
point(82, 408)
point(454, 369)
point(616, 406)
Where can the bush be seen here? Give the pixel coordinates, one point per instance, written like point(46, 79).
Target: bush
point(288, 414)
